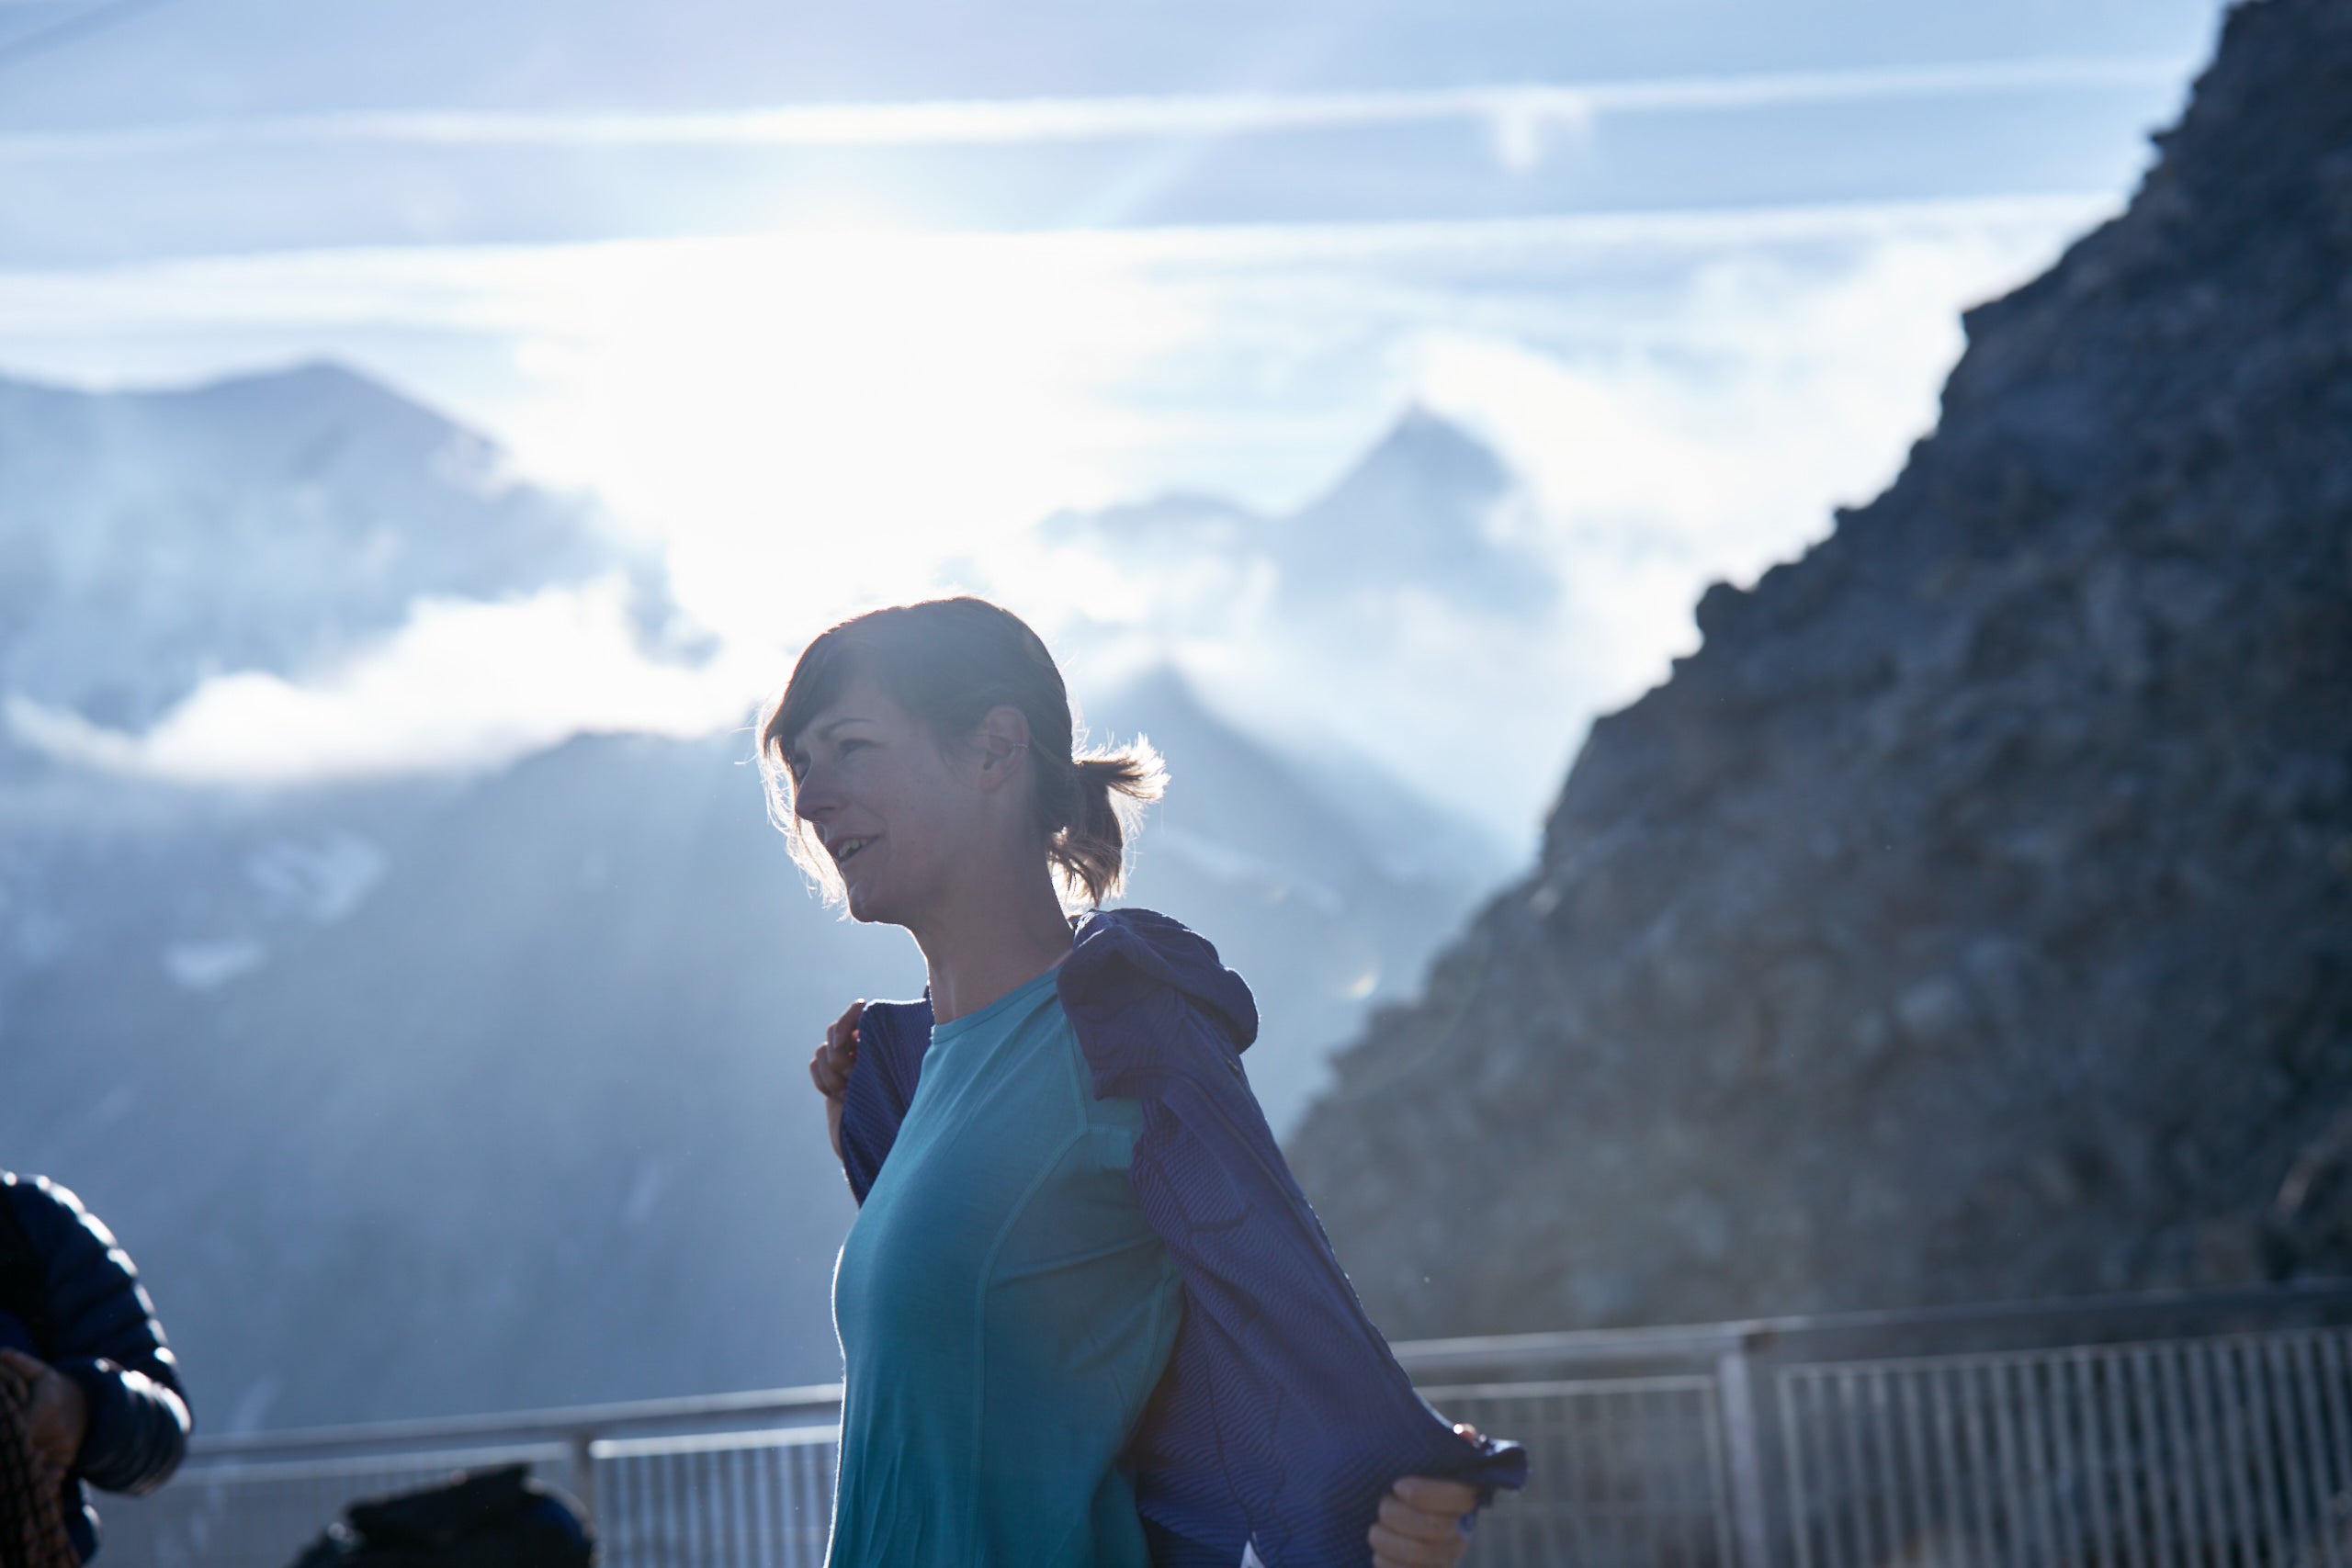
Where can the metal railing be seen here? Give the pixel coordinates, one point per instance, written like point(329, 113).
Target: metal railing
point(2153, 1432)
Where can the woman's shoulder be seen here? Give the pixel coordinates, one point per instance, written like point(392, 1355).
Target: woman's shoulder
point(1121, 955)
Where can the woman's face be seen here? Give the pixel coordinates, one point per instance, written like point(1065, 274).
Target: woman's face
point(882, 801)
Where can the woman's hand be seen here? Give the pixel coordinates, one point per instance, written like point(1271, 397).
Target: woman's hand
point(58, 1416)
point(1420, 1523)
point(829, 1069)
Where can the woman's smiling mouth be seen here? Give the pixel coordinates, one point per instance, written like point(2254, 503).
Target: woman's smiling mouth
point(848, 846)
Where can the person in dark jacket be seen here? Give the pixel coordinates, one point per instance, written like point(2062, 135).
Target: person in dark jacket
point(1087, 1318)
point(78, 1333)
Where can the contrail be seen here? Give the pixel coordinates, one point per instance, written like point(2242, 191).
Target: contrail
point(982, 121)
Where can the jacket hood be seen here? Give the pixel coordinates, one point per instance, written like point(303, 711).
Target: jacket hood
point(1116, 948)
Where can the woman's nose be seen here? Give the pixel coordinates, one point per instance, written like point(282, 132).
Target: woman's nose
point(813, 799)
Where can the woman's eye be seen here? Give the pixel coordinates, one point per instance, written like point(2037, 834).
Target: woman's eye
point(849, 746)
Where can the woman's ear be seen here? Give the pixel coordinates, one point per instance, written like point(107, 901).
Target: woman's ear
point(1003, 744)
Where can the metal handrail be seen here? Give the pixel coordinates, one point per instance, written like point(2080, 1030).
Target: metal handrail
point(1703, 1344)
point(523, 1425)
point(1704, 1341)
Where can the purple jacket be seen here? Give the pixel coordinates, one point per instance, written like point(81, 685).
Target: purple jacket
point(1282, 1417)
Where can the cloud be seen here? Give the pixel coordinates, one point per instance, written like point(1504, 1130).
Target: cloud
point(1518, 111)
point(814, 423)
point(1703, 430)
point(463, 685)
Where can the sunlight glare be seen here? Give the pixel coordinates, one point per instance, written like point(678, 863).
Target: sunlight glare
point(814, 421)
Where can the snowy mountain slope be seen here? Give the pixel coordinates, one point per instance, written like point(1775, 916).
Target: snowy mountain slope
point(276, 521)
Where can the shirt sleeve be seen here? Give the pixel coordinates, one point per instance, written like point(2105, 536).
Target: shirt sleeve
point(1309, 1412)
point(106, 1338)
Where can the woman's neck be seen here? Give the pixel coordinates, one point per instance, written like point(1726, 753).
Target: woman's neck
point(986, 946)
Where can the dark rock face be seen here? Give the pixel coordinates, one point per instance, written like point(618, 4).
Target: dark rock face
point(1972, 917)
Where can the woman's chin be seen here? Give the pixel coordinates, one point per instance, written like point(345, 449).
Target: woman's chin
point(864, 906)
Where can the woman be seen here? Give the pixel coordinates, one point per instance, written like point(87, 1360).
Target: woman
point(1086, 1317)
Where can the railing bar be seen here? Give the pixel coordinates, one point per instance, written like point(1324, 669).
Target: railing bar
point(775, 1527)
point(2155, 1465)
point(1790, 1385)
point(2254, 1377)
point(1821, 1447)
point(791, 1483)
point(805, 1517)
point(751, 1482)
point(1665, 1499)
point(2304, 1353)
point(629, 1526)
point(651, 1547)
point(2240, 1455)
point(679, 1517)
point(1855, 1502)
point(612, 1507)
point(2168, 1482)
point(2279, 1376)
point(701, 1529)
point(2225, 1452)
point(1626, 1421)
point(1559, 1500)
point(703, 1478)
point(759, 1501)
point(1624, 1426)
point(1718, 1478)
point(651, 1489)
point(759, 1472)
point(2339, 1429)
point(2009, 1460)
point(2190, 1493)
point(1982, 1529)
point(2082, 1380)
point(770, 1546)
point(733, 1501)
point(654, 1489)
point(702, 1523)
point(2047, 1480)
point(1669, 1468)
point(2061, 1412)
point(1884, 1478)
point(1599, 1474)
point(1950, 1523)
point(705, 1481)
point(1600, 1427)
point(1924, 1519)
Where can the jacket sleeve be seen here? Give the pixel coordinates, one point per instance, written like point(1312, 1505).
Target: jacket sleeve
point(892, 1037)
point(105, 1337)
point(1313, 1411)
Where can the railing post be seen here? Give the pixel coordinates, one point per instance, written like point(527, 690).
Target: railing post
point(583, 1471)
point(1735, 1400)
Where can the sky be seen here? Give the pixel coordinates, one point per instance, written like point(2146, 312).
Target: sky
point(838, 305)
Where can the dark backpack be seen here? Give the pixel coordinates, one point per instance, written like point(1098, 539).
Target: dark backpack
point(494, 1519)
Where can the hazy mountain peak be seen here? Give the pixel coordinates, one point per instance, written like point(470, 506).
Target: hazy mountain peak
point(1416, 515)
point(271, 522)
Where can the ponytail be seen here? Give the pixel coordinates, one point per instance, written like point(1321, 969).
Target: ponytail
point(1109, 790)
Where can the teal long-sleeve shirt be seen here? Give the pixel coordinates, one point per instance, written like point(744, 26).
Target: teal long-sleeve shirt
point(1004, 1311)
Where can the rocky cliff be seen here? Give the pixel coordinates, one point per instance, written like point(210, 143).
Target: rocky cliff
point(1971, 916)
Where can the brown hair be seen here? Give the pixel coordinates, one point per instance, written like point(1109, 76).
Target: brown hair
point(948, 662)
